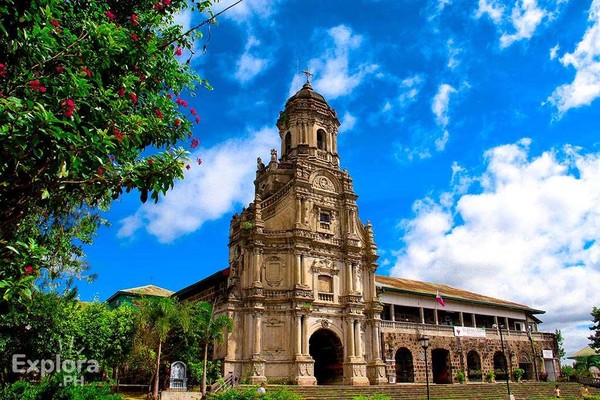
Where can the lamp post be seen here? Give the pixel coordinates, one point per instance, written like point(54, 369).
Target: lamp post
point(499, 327)
point(424, 341)
point(530, 336)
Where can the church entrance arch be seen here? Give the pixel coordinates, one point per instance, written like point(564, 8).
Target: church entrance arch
point(440, 366)
point(500, 366)
point(404, 366)
point(326, 349)
point(474, 366)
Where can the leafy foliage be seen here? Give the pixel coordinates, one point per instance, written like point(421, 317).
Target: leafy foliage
point(251, 394)
point(87, 112)
point(560, 344)
point(595, 338)
point(50, 389)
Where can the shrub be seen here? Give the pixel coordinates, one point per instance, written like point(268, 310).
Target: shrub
point(460, 377)
point(490, 376)
point(518, 373)
point(50, 389)
point(251, 394)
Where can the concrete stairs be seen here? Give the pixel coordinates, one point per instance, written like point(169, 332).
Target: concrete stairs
point(475, 391)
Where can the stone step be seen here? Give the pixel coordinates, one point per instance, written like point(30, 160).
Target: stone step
point(478, 391)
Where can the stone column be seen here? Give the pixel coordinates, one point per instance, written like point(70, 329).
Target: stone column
point(298, 269)
point(299, 211)
point(304, 334)
point(357, 344)
point(258, 333)
point(298, 334)
point(462, 319)
point(350, 278)
point(393, 312)
point(474, 320)
point(422, 314)
point(350, 340)
point(435, 316)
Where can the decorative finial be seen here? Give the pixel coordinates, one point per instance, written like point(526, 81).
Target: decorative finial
point(308, 75)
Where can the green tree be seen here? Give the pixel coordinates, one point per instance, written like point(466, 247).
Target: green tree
point(210, 329)
point(559, 344)
point(37, 331)
point(158, 317)
point(90, 108)
point(595, 338)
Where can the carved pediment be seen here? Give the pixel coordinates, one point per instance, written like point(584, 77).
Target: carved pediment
point(323, 266)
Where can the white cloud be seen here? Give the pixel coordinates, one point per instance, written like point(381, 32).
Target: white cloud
point(585, 87)
point(490, 8)
point(525, 17)
point(525, 230)
point(334, 72)
point(409, 89)
point(249, 65)
point(223, 181)
point(554, 51)
point(441, 103)
point(453, 53)
point(347, 123)
point(242, 12)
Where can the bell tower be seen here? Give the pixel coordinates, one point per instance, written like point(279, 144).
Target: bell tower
point(301, 281)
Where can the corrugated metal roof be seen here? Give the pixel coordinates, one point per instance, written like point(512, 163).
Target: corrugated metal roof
point(447, 292)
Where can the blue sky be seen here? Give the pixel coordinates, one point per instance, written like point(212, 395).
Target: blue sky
point(471, 130)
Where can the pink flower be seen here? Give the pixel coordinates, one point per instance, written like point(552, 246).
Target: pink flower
point(181, 102)
point(199, 161)
point(28, 270)
point(188, 167)
point(197, 119)
point(87, 72)
point(158, 6)
point(193, 111)
point(150, 161)
point(121, 92)
point(60, 69)
point(100, 171)
point(118, 134)
point(133, 98)
point(2, 70)
point(54, 23)
point(166, 3)
point(195, 143)
point(68, 106)
point(169, 96)
point(134, 37)
point(134, 20)
point(177, 122)
point(158, 113)
point(110, 15)
point(178, 51)
point(35, 85)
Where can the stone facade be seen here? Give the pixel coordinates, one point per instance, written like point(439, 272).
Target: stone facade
point(301, 284)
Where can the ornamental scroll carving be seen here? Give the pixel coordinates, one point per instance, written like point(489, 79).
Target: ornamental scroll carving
point(324, 183)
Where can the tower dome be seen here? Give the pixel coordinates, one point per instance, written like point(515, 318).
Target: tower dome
point(308, 126)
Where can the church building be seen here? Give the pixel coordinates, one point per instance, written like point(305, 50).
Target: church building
point(306, 303)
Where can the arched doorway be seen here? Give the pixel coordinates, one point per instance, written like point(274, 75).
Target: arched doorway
point(440, 366)
point(474, 366)
point(404, 366)
point(500, 366)
point(526, 365)
point(327, 351)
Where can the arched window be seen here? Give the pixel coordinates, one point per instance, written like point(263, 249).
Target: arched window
point(288, 143)
point(321, 141)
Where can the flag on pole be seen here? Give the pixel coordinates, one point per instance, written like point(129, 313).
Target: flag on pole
point(439, 299)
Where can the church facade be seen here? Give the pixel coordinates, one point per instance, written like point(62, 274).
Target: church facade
point(307, 305)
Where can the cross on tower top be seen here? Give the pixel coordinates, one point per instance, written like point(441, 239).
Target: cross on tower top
point(308, 75)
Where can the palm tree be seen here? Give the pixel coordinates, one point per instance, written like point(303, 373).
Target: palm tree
point(158, 317)
point(210, 329)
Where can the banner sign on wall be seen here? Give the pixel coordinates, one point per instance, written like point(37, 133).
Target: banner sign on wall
point(469, 331)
